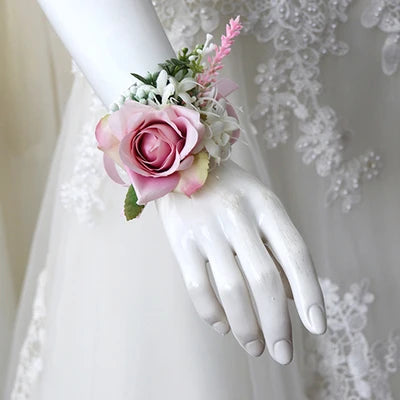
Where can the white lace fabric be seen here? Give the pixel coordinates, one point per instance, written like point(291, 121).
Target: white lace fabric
point(80, 192)
point(385, 14)
point(344, 364)
point(30, 360)
point(289, 87)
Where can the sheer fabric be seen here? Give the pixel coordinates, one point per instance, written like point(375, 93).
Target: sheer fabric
point(108, 329)
point(7, 304)
point(35, 82)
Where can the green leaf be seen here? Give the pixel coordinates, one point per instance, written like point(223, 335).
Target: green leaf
point(140, 78)
point(131, 208)
point(154, 77)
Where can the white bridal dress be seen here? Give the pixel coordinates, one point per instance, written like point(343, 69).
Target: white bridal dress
point(104, 313)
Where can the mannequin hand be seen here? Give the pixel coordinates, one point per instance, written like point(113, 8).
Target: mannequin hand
point(234, 215)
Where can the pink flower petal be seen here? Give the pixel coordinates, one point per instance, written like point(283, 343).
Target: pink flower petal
point(193, 178)
point(152, 149)
point(168, 132)
point(170, 165)
point(186, 163)
point(104, 135)
point(111, 169)
point(225, 86)
point(128, 118)
point(125, 152)
point(192, 135)
point(134, 161)
point(180, 111)
point(150, 188)
point(193, 117)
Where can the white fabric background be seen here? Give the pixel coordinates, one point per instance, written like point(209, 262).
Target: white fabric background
point(35, 82)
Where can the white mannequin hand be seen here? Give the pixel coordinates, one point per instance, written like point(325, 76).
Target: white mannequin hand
point(234, 214)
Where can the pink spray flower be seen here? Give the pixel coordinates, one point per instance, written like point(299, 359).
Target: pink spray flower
point(160, 149)
point(209, 75)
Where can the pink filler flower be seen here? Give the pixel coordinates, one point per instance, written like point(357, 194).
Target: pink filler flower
point(159, 149)
point(215, 64)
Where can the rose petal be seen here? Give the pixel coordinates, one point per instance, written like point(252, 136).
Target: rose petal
point(180, 111)
point(104, 135)
point(170, 164)
point(192, 116)
point(168, 132)
point(150, 188)
point(128, 118)
point(192, 135)
point(186, 163)
point(111, 169)
point(125, 152)
point(193, 178)
point(113, 153)
point(134, 161)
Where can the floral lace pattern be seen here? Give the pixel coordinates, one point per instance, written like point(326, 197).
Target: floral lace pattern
point(345, 366)
point(30, 358)
point(80, 192)
point(289, 86)
point(385, 14)
point(301, 32)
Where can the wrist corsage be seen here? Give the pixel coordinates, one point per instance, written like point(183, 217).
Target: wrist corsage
point(168, 129)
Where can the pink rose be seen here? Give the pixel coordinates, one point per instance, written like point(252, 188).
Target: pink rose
point(159, 149)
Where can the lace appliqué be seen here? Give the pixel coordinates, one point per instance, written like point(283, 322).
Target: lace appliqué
point(301, 33)
point(345, 366)
point(385, 14)
point(184, 19)
point(80, 192)
point(30, 359)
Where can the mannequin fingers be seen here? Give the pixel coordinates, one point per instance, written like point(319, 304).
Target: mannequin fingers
point(268, 293)
point(284, 279)
point(201, 292)
point(292, 254)
point(235, 298)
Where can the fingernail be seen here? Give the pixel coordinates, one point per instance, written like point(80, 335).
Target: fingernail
point(317, 319)
point(283, 352)
point(255, 348)
point(221, 327)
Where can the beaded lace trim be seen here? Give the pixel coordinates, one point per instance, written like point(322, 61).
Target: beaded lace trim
point(344, 366)
point(385, 14)
point(30, 358)
point(80, 192)
point(301, 33)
